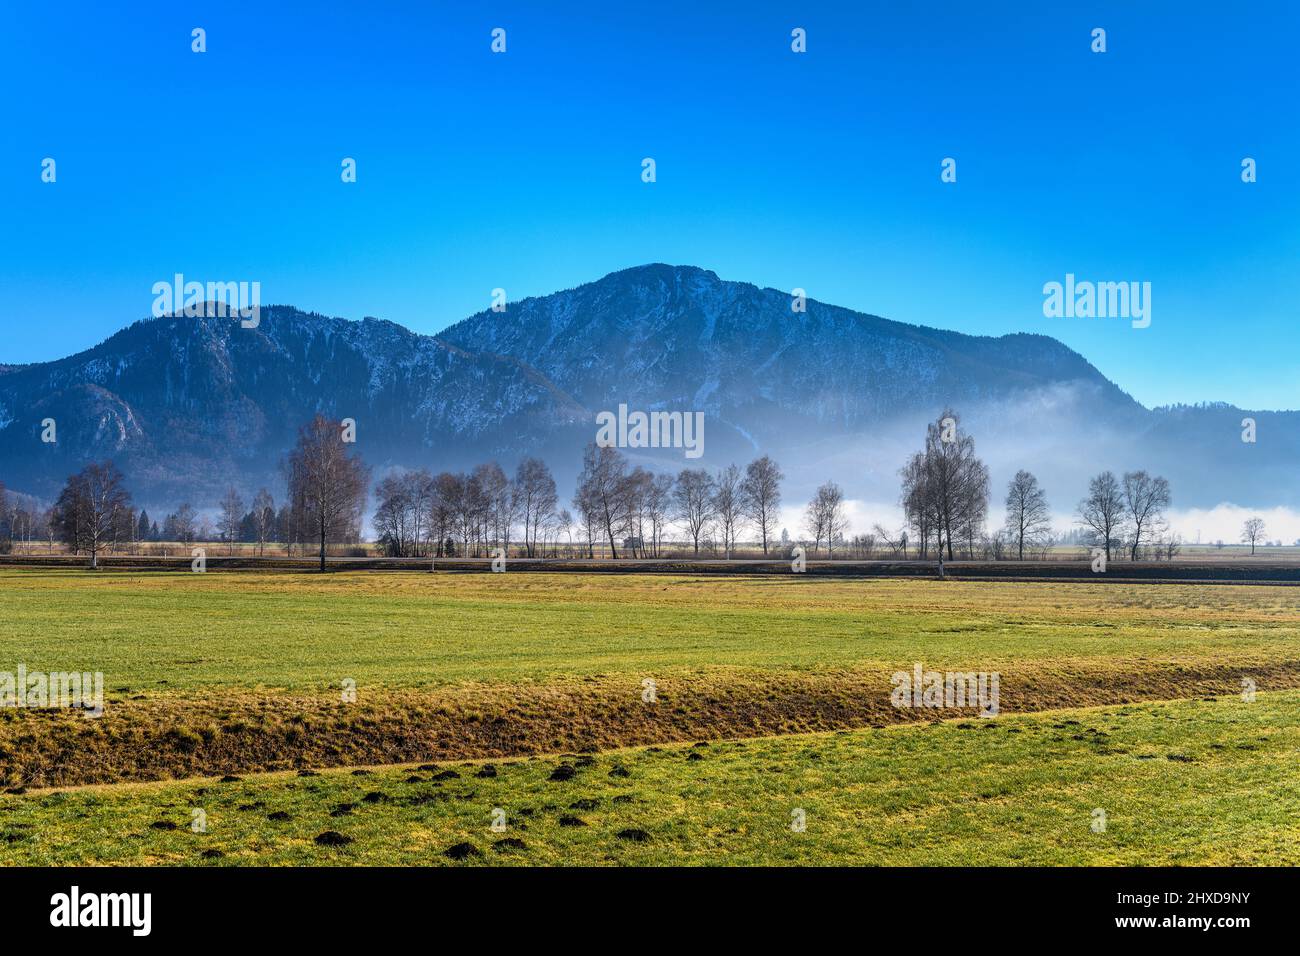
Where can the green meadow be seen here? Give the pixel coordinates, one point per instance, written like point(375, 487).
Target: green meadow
point(772, 698)
point(191, 632)
point(1188, 783)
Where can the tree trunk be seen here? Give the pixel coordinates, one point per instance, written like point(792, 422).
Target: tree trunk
point(609, 531)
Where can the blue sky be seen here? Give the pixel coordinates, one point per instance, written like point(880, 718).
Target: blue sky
point(522, 170)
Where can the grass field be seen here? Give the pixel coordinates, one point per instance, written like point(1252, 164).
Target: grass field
point(243, 673)
point(1190, 782)
point(189, 632)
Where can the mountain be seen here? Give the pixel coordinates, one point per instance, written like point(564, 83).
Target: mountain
point(187, 406)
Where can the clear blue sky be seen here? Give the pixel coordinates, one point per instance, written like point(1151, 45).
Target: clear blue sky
point(523, 170)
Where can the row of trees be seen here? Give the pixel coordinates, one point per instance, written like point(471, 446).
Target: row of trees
point(327, 486)
point(22, 521)
point(944, 496)
point(945, 491)
point(422, 515)
point(1126, 512)
point(629, 509)
point(260, 525)
point(615, 502)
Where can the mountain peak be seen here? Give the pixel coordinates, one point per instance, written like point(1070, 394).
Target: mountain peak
point(660, 271)
point(187, 407)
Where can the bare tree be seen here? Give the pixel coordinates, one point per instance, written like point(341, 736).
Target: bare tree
point(639, 490)
point(601, 496)
point(760, 496)
point(824, 516)
point(832, 499)
point(51, 530)
point(1028, 516)
point(263, 518)
point(727, 506)
point(1102, 511)
point(890, 540)
point(181, 525)
point(995, 545)
point(564, 525)
point(330, 483)
point(284, 529)
point(920, 505)
point(421, 488)
point(496, 504)
point(38, 522)
point(6, 525)
point(814, 522)
point(693, 502)
point(472, 513)
point(658, 503)
point(404, 515)
point(945, 487)
point(1252, 532)
point(232, 512)
point(1145, 501)
point(585, 503)
point(124, 528)
point(535, 499)
point(21, 520)
point(89, 509)
point(444, 506)
point(1170, 546)
point(394, 516)
point(974, 506)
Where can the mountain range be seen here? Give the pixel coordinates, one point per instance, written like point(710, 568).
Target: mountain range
point(189, 406)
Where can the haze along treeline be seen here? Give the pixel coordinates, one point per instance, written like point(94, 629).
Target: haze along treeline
point(617, 510)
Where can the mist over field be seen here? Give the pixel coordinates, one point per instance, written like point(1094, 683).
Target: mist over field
point(1194, 526)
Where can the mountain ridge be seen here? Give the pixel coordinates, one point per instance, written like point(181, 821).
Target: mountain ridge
point(189, 405)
